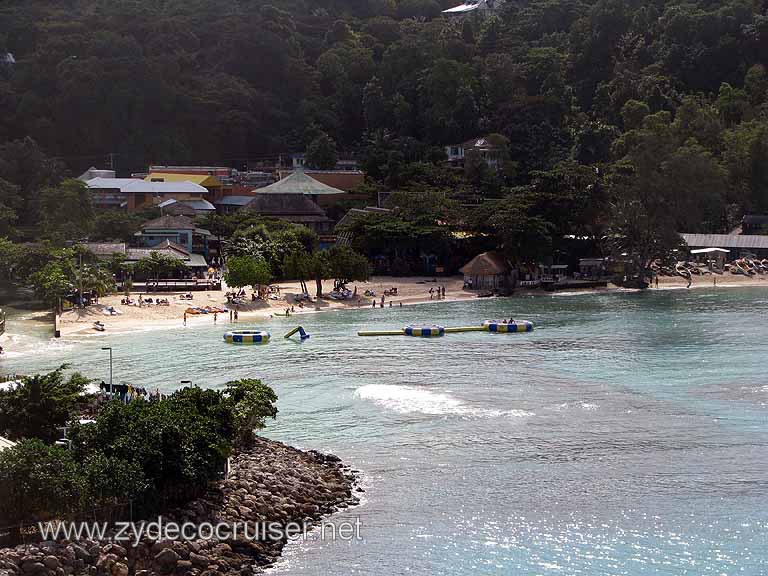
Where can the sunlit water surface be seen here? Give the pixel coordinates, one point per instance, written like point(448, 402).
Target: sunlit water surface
point(626, 435)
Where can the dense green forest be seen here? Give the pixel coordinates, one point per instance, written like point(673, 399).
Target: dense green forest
point(622, 117)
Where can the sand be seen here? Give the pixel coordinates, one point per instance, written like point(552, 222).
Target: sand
point(411, 290)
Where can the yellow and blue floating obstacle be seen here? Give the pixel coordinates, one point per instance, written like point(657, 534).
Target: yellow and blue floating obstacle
point(496, 326)
point(246, 337)
point(300, 330)
point(507, 327)
point(424, 331)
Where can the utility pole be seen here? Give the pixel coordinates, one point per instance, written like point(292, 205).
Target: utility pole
point(110, 367)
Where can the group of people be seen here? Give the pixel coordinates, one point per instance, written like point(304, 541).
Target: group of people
point(128, 393)
point(141, 301)
point(437, 293)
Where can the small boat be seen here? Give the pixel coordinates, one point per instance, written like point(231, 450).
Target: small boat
point(99, 326)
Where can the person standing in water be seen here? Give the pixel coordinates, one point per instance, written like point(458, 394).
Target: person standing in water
point(185, 318)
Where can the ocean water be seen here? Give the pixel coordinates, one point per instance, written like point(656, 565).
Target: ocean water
point(627, 435)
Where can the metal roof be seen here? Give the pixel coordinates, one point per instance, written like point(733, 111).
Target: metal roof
point(299, 183)
point(726, 241)
point(135, 186)
point(200, 179)
point(234, 200)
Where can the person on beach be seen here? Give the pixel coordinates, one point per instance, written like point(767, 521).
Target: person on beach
point(382, 301)
point(401, 303)
point(235, 314)
point(443, 289)
point(431, 293)
point(657, 281)
point(185, 318)
point(230, 315)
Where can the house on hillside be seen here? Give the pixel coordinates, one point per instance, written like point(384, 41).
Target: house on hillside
point(479, 8)
point(487, 271)
point(180, 230)
point(492, 149)
point(295, 208)
point(5, 443)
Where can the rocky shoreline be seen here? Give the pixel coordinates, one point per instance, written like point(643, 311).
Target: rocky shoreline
point(270, 482)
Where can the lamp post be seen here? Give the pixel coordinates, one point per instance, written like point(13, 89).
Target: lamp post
point(110, 367)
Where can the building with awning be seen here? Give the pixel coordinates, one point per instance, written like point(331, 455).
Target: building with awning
point(737, 245)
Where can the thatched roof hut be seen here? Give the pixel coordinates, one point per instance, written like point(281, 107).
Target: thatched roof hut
point(486, 271)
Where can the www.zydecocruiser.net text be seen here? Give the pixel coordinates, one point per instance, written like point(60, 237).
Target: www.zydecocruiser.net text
point(135, 532)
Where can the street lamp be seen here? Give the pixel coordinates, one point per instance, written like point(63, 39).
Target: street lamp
point(110, 367)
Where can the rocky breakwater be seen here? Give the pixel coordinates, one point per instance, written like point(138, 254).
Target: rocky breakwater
point(270, 482)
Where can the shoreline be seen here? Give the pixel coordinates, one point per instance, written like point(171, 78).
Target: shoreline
point(268, 482)
point(411, 291)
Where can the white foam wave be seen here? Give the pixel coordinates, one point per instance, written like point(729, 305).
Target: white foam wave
point(408, 400)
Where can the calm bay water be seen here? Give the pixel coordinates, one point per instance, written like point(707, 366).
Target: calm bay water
point(627, 435)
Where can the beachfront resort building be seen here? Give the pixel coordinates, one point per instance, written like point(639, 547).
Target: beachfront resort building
point(195, 264)
point(738, 245)
point(180, 230)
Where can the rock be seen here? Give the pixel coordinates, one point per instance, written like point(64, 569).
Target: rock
point(183, 566)
point(199, 560)
point(119, 569)
point(32, 567)
point(51, 562)
point(166, 560)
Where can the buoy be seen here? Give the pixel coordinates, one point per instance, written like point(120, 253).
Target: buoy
point(300, 330)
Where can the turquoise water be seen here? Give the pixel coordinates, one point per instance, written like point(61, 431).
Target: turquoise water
point(627, 435)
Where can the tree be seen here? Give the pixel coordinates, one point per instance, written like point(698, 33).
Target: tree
point(67, 210)
point(37, 482)
point(51, 284)
point(247, 271)
point(252, 402)
point(322, 154)
point(158, 263)
point(41, 404)
point(347, 266)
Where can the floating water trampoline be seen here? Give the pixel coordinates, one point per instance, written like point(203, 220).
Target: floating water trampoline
point(246, 337)
point(501, 327)
point(424, 331)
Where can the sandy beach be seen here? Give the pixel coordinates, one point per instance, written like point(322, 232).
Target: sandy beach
point(410, 290)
